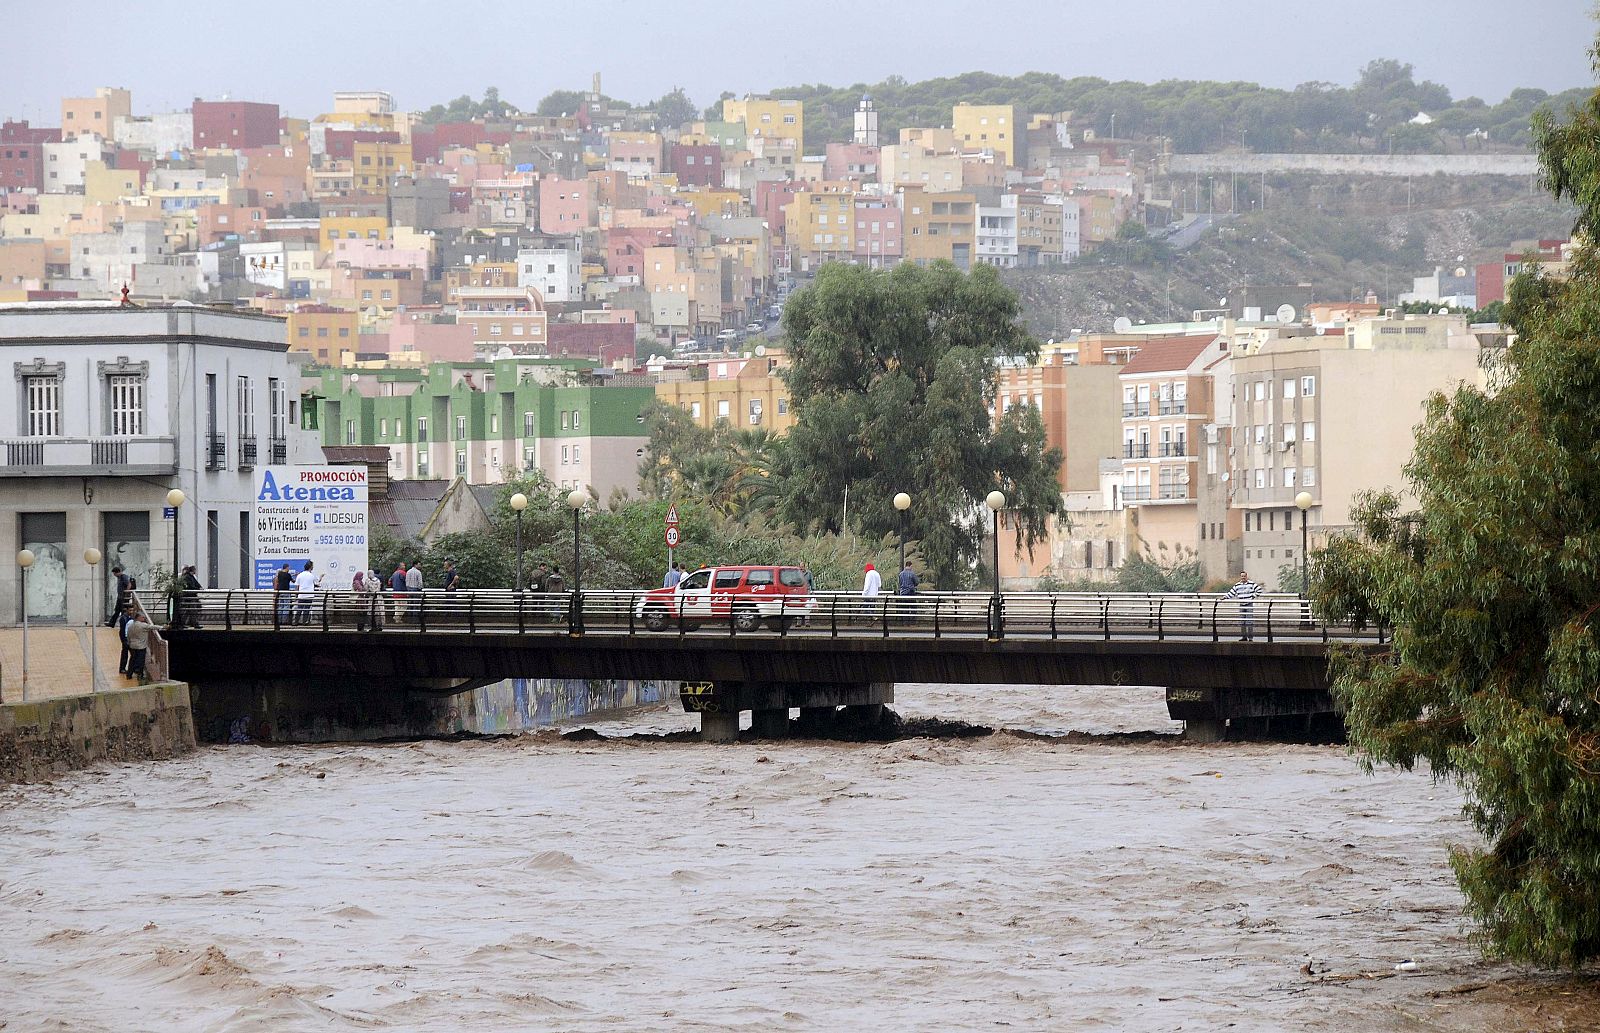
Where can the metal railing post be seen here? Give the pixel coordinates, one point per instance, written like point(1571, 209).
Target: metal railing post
point(472, 617)
point(783, 616)
point(422, 610)
point(1053, 602)
point(277, 610)
point(522, 620)
point(833, 619)
point(575, 614)
point(227, 610)
point(886, 615)
point(936, 604)
point(325, 610)
point(1214, 604)
point(1269, 620)
point(1105, 617)
point(632, 606)
point(1161, 624)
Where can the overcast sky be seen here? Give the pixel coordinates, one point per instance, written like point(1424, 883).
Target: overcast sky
point(297, 52)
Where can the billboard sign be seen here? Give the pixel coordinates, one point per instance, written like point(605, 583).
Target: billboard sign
point(316, 513)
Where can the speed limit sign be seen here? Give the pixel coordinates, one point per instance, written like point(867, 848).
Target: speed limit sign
point(672, 537)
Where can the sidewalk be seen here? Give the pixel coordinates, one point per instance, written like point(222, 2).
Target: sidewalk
point(58, 662)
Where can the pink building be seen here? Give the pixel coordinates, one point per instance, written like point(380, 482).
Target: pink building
point(626, 247)
point(771, 197)
point(851, 161)
point(878, 232)
point(22, 155)
point(566, 206)
point(438, 342)
point(637, 154)
point(234, 124)
point(214, 222)
point(607, 342)
point(380, 254)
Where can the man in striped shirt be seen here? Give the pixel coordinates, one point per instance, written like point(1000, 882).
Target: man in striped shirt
point(1245, 591)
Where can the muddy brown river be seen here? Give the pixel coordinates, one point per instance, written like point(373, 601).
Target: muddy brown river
point(1114, 880)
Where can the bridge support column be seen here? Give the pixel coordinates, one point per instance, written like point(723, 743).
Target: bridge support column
point(1204, 730)
point(719, 727)
point(770, 724)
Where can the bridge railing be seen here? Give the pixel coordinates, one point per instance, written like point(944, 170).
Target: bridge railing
point(1105, 615)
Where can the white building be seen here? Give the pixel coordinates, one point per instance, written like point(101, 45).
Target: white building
point(65, 162)
point(997, 233)
point(556, 273)
point(111, 408)
point(158, 135)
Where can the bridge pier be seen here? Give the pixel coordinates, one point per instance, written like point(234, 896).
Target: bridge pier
point(825, 708)
point(719, 727)
point(1212, 715)
point(770, 724)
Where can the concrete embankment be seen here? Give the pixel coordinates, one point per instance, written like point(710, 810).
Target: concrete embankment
point(45, 738)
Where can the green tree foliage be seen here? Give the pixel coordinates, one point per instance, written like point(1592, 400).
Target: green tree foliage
point(1200, 116)
point(729, 469)
point(1181, 572)
point(464, 108)
point(561, 103)
point(674, 109)
point(1492, 586)
point(892, 379)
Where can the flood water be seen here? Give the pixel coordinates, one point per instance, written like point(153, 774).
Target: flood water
point(1117, 882)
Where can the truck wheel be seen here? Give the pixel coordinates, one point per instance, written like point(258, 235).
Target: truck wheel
point(655, 619)
point(746, 619)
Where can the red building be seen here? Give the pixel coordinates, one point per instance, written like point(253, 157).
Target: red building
point(608, 342)
point(341, 143)
point(234, 124)
point(22, 155)
point(696, 164)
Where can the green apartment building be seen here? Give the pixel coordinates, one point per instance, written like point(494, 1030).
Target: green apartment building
point(488, 422)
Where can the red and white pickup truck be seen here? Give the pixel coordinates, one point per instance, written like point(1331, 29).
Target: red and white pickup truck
point(747, 595)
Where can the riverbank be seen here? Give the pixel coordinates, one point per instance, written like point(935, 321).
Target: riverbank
point(46, 738)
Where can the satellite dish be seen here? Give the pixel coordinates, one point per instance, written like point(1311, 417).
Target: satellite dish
point(1286, 313)
point(503, 353)
point(1224, 476)
point(1122, 325)
point(1461, 270)
point(761, 349)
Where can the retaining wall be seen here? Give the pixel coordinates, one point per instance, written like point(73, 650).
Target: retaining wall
point(45, 738)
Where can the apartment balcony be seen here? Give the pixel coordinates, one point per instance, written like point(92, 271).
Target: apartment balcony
point(1131, 409)
point(1130, 450)
point(247, 453)
point(216, 451)
point(1174, 493)
point(1174, 449)
point(89, 457)
point(1174, 408)
point(277, 451)
point(1136, 493)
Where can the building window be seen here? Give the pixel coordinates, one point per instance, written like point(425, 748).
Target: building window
point(529, 426)
point(694, 410)
point(722, 409)
point(1308, 432)
point(566, 454)
point(247, 411)
point(1288, 388)
point(577, 454)
point(577, 419)
point(1308, 386)
point(124, 403)
point(566, 420)
point(422, 430)
point(42, 400)
point(530, 459)
point(422, 464)
point(1308, 477)
point(461, 463)
point(461, 428)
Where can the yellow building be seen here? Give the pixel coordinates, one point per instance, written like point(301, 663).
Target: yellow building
point(819, 224)
point(374, 165)
point(987, 127)
point(324, 331)
point(763, 116)
point(353, 227)
point(1097, 220)
point(706, 201)
point(938, 226)
point(108, 186)
point(745, 393)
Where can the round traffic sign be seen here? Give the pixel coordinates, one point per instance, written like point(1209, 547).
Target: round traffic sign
point(672, 537)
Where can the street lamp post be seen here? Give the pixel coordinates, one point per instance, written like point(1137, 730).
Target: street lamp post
point(175, 500)
point(92, 557)
point(996, 502)
point(1303, 502)
point(575, 502)
point(25, 560)
point(902, 502)
point(519, 502)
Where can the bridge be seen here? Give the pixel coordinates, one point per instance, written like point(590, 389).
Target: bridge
point(1255, 666)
